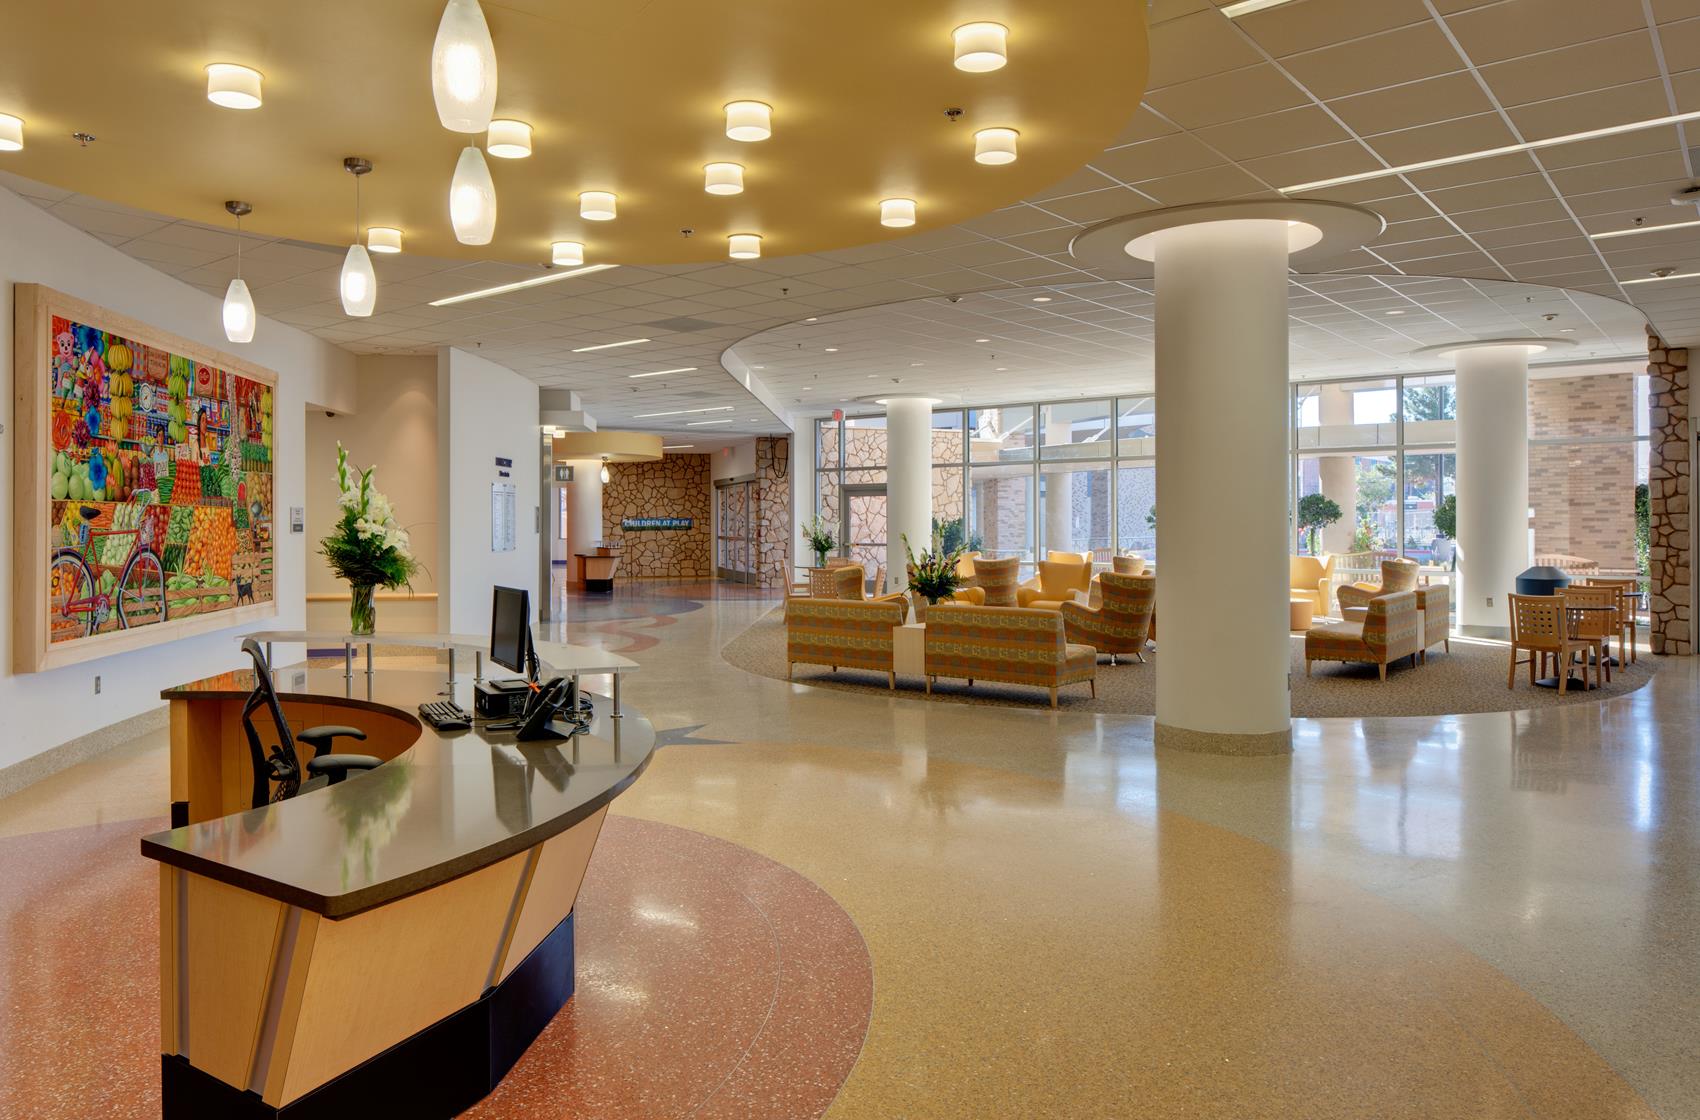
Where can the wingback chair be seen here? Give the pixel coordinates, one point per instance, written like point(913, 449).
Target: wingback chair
point(970, 591)
point(996, 581)
point(1308, 577)
point(1387, 633)
point(1133, 565)
point(1059, 581)
point(1122, 624)
point(1396, 575)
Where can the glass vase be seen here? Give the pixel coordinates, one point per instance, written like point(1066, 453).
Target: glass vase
point(362, 611)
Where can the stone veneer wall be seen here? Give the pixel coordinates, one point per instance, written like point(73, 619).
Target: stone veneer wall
point(773, 511)
point(1671, 555)
point(1583, 494)
point(673, 486)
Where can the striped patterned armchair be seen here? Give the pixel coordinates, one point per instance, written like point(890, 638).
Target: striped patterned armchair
point(1396, 575)
point(1122, 624)
point(1387, 633)
point(996, 580)
point(1010, 644)
point(847, 633)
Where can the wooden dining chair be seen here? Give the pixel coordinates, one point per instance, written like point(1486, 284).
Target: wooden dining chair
point(1625, 612)
point(1595, 626)
point(1539, 626)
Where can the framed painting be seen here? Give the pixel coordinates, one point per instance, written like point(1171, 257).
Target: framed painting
point(143, 497)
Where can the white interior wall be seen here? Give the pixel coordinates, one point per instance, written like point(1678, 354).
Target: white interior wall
point(394, 428)
point(484, 412)
point(45, 709)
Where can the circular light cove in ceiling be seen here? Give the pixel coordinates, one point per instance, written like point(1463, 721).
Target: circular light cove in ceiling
point(981, 47)
point(1300, 236)
point(749, 121)
point(508, 139)
point(233, 87)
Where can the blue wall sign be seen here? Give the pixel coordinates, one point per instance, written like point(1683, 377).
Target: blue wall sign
point(640, 524)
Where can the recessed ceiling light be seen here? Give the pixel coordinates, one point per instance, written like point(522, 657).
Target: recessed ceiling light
point(536, 281)
point(508, 139)
point(995, 145)
point(233, 87)
point(723, 178)
point(609, 345)
point(743, 246)
point(1395, 311)
point(682, 412)
point(597, 206)
point(758, 367)
point(812, 319)
point(11, 133)
point(1489, 153)
point(664, 372)
point(1001, 369)
point(383, 239)
point(897, 212)
point(1567, 330)
point(981, 47)
point(832, 349)
point(1632, 231)
point(677, 446)
point(1041, 299)
point(982, 340)
point(1246, 7)
point(706, 423)
point(749, 121)
point(568, 253)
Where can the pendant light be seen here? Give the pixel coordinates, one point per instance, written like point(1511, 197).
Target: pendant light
point(359, 283)
point(238, 302)
point(463, 68)
point(472, 199)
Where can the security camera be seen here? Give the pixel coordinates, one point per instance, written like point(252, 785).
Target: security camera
point(329, 415)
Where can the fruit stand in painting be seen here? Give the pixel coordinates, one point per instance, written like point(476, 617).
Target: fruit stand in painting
point(160, 477)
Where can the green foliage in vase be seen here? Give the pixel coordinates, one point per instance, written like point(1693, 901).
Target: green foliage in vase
point(1316, 513)
point(820, 538)
point(932, 574)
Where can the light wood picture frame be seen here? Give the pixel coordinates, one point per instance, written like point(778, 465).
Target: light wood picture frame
point(143, 503)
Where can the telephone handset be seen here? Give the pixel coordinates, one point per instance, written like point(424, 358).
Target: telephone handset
point(541, 709)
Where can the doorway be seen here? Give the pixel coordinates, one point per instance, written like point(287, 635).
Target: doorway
point(863, 525)
point(734, 530)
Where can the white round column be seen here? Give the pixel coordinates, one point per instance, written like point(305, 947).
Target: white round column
point(1221, 270)
point(909, 482)
point(1493, 476)
point(1223, 648)
point(584, 511)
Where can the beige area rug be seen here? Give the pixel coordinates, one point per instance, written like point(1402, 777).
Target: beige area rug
point(1471, 678)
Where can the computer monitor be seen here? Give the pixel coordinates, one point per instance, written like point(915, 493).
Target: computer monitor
point(510, 629)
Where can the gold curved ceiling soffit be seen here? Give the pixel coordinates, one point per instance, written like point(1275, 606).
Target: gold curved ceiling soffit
point(622, 97)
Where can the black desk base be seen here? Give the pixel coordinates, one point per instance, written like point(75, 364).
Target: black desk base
point(442, 1071)
point(599, 586)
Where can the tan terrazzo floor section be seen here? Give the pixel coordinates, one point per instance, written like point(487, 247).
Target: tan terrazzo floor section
point(1033, 958)
point(1469, 678)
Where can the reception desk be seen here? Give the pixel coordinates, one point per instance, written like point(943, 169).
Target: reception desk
point(390, 944)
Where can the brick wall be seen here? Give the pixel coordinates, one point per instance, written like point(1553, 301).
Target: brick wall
point(1583, 494)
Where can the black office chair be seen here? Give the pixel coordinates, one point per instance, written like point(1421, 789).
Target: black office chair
point(279, 764)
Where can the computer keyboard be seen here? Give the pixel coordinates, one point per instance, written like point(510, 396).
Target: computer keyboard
point(445, 715)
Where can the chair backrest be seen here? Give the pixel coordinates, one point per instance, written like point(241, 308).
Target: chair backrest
point(965, 568)
point(1537, 620)
point(839, 561)
point(1566, 563)
point(1069, 557)
point(1307, 571)
point(280, 764)
point(998, 578)
point(1398, 575)
point(879, 580)
point(1018, 633)
point(823, 583)
point(1593, 623)
point(849, 582)
point(1060, 578)
point(1128, 565)
point(1128, 595)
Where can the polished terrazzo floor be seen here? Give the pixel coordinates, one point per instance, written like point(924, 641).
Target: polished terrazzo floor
point(1459, 916)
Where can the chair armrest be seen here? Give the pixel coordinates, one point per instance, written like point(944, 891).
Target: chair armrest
point(320, 738)
point(894, 597)
point(338, 766)
point(1025, 595)
point(974, 596)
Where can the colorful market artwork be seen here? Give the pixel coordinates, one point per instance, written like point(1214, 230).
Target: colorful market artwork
point(158, 476)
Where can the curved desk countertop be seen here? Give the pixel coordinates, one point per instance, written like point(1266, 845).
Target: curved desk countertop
point(394, 941)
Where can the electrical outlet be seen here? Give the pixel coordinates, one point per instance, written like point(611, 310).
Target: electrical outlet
point(97, 684)
point(1490, 602)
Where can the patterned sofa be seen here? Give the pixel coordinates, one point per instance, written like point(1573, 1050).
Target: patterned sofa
point(1387, 633)
point(847, 633)
point(1011, 644)
point(1122, 623)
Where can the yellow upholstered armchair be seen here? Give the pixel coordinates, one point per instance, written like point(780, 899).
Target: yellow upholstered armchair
point(1122, 624)
point(1064, 577)
point(1308, 577)
point(1396, 575)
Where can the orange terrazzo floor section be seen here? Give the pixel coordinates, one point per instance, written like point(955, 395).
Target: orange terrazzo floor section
point(712, 982)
